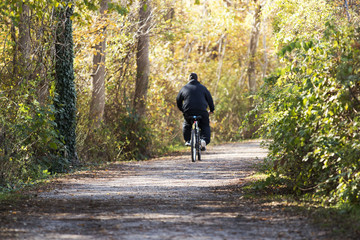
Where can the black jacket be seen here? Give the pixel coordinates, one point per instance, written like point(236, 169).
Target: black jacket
point(194, 98)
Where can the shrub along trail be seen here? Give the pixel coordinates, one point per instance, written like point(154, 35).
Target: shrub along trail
point(166, 198)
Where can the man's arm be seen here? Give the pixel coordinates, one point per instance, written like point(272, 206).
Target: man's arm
point(210, 101)
point(179, 101)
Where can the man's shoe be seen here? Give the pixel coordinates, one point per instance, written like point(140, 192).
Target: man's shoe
point(188, 143)
point(203, 145)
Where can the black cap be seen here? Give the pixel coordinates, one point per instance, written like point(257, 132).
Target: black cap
point(193, 76)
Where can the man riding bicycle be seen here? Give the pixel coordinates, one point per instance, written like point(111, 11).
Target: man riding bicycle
point(193, 100)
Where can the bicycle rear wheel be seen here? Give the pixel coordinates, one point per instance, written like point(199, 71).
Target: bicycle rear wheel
point(198, 145)
point(193, 146)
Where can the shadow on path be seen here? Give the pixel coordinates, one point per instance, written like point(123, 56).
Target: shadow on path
point(168, 198)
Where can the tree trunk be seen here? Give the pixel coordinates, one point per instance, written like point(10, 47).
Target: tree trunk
point(97, 104)
point(266, 61)
point(170, 16)
point(65, 94)
point(347, 10)
point(15, 52)
point(142, 59)
point(24, 55)
point(21, 49)
point(24, 35)
point(221, 55)
point(254, 38)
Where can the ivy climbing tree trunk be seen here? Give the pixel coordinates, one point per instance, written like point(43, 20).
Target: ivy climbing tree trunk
point(65, 93)
point(142, 59)
point(97, 104)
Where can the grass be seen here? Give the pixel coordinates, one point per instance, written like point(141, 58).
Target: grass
point(343, 220)
point(177, 148)
point(12, 196)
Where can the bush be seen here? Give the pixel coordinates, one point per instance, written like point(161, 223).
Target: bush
point(311, 112)
point(122, 136)
point(29, 143)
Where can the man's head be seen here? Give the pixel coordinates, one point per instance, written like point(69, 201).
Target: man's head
point(193, 76)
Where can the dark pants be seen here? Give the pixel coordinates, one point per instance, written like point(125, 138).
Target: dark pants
point(204, 125)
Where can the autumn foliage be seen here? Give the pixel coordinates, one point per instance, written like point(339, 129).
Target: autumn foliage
point(292, 65)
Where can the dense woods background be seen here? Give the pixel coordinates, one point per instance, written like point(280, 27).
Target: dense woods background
point(84, 82)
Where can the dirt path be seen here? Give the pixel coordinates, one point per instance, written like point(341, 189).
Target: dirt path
point(168, 198)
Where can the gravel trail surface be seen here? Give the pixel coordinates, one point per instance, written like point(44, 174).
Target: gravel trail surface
point(165, 198)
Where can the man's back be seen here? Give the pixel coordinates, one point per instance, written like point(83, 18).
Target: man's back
point(194, 98)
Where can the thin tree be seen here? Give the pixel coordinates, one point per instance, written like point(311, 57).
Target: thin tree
point(97, 104)
point(221, 55)
point(346, 5)
point(142, 59)
point(251, 71)
point(65, 99)
point(24, 35)
point(254, 38)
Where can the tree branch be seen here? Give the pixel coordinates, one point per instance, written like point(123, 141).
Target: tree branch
point(347, 9)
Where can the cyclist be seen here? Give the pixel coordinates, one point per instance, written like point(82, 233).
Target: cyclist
point(193, 100)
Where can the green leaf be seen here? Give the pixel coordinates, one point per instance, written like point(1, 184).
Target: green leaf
point(305, 100)
point(53, 145)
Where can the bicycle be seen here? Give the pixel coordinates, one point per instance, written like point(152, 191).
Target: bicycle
point(195, 140)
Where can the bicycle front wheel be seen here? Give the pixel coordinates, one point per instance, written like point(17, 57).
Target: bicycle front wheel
point(193, 146)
